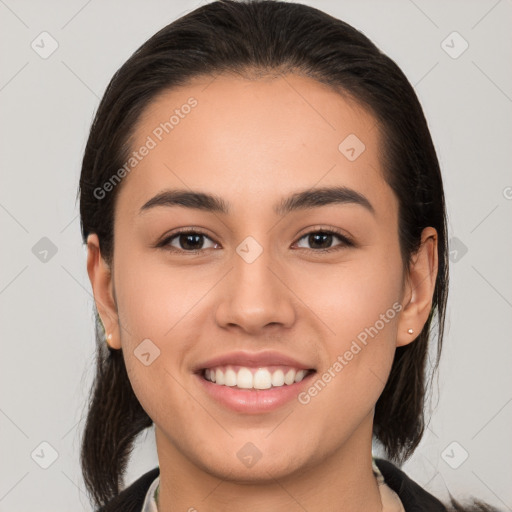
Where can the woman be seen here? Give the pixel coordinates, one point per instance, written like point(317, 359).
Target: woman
point(265, 221)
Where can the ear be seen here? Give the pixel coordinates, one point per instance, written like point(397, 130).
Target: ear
point(419, 288)
point(100, 276)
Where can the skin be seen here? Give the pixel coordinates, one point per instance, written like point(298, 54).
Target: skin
point(253, 142)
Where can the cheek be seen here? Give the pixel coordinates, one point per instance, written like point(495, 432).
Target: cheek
point(353, 296)
point(359, 306)
point(153, 298)
point(157, 306)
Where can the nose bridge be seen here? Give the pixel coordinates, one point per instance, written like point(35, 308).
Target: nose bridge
point(254, 297)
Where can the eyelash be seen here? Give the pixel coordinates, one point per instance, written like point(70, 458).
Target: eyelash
point(345, 241)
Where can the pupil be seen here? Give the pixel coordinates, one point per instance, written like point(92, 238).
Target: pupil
point(323, 237)
point(185, 239)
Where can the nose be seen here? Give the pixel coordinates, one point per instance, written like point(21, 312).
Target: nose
point(255, 296)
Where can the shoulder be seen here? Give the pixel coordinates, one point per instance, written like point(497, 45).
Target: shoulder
point(413, 497)
point(132, 498)
point(416, 499)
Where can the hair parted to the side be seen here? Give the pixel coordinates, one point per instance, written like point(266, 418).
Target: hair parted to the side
point(251, 39)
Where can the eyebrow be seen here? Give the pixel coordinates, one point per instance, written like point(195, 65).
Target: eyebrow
point(301, 200)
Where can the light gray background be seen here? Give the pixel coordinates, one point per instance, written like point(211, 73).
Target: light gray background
point(47, 106)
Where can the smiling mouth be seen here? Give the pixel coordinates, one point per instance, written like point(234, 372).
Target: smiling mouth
point(261, 378)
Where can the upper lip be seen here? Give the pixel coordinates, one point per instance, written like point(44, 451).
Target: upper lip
point(253, 359)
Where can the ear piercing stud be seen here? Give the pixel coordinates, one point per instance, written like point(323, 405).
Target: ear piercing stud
point(410, 331)
point(109, 338)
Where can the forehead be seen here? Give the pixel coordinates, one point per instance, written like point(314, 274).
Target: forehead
point(254, 139)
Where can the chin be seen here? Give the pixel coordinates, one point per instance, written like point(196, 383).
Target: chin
point(245, 462)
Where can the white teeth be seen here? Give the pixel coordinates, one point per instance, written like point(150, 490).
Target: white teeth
point(300, 375)
point(289, 378)
point(230, 377)
point(262, 378)
point(278, 378)
point(244, 378)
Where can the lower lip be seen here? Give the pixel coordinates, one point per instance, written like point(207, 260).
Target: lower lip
point(254, 401)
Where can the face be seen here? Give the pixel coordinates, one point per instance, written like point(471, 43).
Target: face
point(263, 280)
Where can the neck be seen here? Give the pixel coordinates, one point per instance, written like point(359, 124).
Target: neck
point(342, 481)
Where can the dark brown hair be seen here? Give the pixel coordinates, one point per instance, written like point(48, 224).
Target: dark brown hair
point(251, 39)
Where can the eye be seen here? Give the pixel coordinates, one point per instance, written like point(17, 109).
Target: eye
point(321, 240)
point(187, 240)
point(194, 241)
